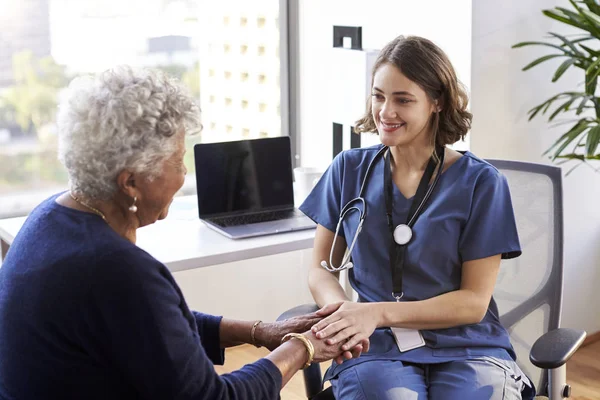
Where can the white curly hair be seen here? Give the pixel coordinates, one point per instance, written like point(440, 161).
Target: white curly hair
point(123, 118)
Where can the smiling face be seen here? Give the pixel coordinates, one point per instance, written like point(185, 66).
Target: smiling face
point(401, 109)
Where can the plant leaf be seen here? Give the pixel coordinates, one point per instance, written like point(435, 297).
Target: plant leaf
point(591, 4)
point(534, 111)
point(546, 104)
point(562, 16)
point(568, 137)
point(563, 107)
point(593, 138)
point(595, 74)
point(574, 168)
point(568, 43)
point(593, 18)
point(584, 100)
point(562, 68)
point(592, 52)
point(592, 66)
point(541, 60)
point(523, 44)
point(579, 127)
point(590, 84)
point(590, 17)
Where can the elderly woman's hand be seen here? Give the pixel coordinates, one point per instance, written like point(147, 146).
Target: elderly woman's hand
point(270, 334)
point(323, 350)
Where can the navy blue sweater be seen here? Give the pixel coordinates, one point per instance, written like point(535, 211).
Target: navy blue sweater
point(85, 314)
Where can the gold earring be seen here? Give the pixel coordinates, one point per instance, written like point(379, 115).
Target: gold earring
point(133, 207)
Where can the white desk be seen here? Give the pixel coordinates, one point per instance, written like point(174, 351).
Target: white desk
point(182, 242)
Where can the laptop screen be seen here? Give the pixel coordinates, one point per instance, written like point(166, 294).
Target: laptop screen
point(244, 176)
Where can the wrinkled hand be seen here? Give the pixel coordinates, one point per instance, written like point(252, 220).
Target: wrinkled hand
point(270, 334)
point(325, 351)
point(347, 323)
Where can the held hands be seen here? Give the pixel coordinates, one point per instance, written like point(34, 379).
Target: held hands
point(325, 351)
point(347, 323)
point(269, 335)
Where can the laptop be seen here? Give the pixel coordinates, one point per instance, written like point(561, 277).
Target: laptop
point(245, 187)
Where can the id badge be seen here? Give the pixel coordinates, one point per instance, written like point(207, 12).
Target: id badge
point(408, 339)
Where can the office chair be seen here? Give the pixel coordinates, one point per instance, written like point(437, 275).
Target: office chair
point(529, 288)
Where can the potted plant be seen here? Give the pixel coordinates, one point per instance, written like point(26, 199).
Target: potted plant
point(580, 142)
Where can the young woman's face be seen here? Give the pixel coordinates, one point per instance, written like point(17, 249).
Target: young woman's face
point(401, 109)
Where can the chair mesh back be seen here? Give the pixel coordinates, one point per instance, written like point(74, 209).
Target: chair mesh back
point(529, 288)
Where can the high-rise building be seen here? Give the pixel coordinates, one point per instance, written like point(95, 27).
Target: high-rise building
point(24, 25)
point(239, 69)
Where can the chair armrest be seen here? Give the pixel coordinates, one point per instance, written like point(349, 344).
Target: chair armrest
point(299, 310)
point(554, 348)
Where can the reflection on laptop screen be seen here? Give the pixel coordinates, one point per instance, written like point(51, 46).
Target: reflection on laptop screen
point(244, 176)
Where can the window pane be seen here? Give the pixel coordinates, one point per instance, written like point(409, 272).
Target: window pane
point(226, 52)
point(239, 69)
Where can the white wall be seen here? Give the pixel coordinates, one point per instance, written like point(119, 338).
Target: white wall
point(261, 288)
point(447, 23)
point(501, 96)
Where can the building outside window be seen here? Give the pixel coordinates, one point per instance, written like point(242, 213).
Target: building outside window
point(226, 53)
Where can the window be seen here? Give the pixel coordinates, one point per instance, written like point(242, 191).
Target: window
point(206, 45)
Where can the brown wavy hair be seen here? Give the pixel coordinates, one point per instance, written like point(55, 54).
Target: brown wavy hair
point(424, 63)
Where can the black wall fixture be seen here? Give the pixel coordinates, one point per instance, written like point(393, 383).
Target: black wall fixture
point(352, 32)
point(355, 35)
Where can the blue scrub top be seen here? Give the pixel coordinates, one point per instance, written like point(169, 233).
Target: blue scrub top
point(469, 216)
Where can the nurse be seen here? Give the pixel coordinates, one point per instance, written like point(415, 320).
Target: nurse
point(434, 225)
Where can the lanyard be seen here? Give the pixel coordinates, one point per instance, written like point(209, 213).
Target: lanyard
point(398, 251)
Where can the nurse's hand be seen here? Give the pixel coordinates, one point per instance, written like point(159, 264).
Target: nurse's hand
point(349, 322)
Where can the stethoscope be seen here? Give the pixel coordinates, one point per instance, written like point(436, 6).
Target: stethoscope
point(402, 233)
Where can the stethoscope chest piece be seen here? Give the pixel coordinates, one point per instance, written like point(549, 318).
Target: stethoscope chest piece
point(402, 234)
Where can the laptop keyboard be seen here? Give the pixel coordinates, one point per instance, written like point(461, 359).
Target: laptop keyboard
point(254, 218)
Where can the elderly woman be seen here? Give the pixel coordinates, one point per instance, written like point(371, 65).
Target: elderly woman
point(84, 312)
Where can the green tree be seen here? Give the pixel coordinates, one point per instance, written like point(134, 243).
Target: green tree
point(32, 100)
point(173, 70)
point(191, 78)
